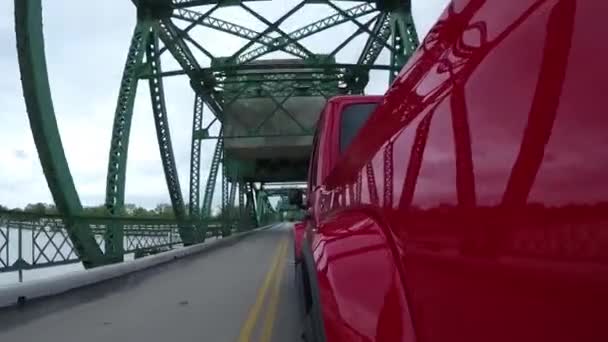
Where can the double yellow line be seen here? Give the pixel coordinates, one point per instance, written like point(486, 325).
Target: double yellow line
point(273, 277)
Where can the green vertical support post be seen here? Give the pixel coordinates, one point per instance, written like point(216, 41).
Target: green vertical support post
point(242, 221)
point(226, 231)
point(231, 198)
point(195, 159)
point(119, 144)
point(212, 178)
point(260, 211)
point(41, 114)
point(194, 209)
point(251, 209)
point(163, 136)
point(404, 39)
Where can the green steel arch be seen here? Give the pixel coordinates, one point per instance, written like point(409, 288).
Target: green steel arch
point(164, 27)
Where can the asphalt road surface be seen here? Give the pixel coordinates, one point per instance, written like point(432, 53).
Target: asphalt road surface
point(240, 292)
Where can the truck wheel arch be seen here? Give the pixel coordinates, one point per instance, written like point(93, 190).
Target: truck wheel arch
point(350, 265)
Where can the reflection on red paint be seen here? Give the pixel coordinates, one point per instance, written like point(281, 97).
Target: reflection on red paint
point(483, 177)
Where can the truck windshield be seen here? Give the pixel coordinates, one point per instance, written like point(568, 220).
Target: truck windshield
point(353, 118)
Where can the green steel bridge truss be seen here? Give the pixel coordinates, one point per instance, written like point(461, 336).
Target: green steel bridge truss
point(165, 27)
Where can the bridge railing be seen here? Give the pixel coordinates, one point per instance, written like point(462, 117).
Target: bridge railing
point(31, 241)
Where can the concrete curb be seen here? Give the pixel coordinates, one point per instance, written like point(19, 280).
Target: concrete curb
point(18, 293)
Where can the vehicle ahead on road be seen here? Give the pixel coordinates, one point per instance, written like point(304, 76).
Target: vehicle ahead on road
point(472, 204)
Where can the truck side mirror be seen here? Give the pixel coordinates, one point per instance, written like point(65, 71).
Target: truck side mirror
point(296, 198)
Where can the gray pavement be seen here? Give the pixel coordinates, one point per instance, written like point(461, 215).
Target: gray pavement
point(206, 297)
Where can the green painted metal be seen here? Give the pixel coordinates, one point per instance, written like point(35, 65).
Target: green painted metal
point(39, 104)
point(242, 225)
point(212, 178)
point(163, 135)
point(371, 51)
point(273, 27)
point(225, 203)
point(308, 30)
point(195, 159)
point(119, 145)
point(251, 206)
point(231, 205)
point(265, 212)
point(405, 39)
point(192, 3)
point(200, 17)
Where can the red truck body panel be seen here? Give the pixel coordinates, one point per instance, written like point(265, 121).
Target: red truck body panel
point(473, 204)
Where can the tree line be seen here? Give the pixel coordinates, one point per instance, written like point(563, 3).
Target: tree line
point(162, 210)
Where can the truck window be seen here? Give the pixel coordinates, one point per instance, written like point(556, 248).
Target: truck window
point(353, 118)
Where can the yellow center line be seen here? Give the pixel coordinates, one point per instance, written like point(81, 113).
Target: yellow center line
point(252, 318)
point(271, 312)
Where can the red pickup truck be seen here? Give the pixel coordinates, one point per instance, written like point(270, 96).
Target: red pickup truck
point(470, 203)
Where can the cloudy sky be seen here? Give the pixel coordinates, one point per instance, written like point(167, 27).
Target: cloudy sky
point(86, 44)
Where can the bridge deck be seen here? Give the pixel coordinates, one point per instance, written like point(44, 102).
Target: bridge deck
point(225, 294)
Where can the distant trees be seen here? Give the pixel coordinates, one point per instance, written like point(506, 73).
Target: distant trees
point(40, 208)
point(162, 210)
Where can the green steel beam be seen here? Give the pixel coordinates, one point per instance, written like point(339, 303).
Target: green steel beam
point(308, 30)
point(195, 159)
point(238, 67)
point(199, 20)
point(405, 40)
point(193, 3)
point(250, 206)
point(119, 144)
point(350, 38)
point(163, 136)
point(212, 178)
point(237, 30)
point(272, 27)
point(242, 212)
point(359, 25)
point(231, 198)
point(174, 42)
point(277, 27)
point(195, 43)
point(375, 43)
point(226, 226)
point(41, 114)
point(182, 54)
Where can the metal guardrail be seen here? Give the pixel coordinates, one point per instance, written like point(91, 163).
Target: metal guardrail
point(30, 241)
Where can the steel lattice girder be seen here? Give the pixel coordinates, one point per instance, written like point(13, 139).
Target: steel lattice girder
point(192, 3)
point(212, 178)
point(164, 138)
point(119, 145)
point(195, 159)
point(210, 84)
point(234, 29)
point(405, 40)
point(308, 30)
point(122, 119)
point(39, 104)
point(251, 206)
